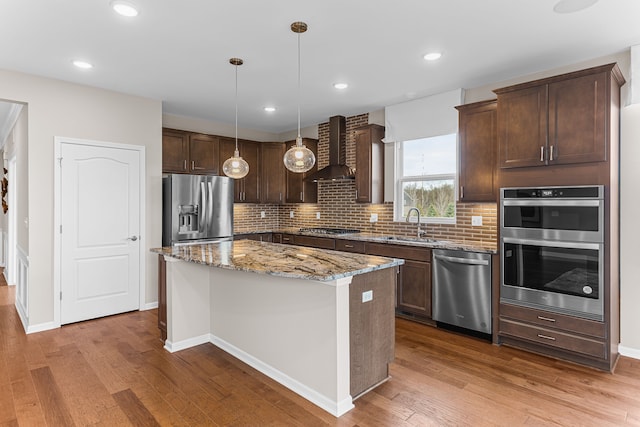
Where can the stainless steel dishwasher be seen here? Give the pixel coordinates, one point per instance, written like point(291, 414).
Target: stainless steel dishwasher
point(462, 289)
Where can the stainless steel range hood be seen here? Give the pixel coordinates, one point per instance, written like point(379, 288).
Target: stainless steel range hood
point(337, 168)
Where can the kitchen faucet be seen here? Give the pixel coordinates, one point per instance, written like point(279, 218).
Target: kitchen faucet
point(409, 214)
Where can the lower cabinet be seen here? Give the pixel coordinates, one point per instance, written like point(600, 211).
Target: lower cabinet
point(259, 237)
point(162, 297)
point(568, 337)
point(413, 291)
point(414, 279)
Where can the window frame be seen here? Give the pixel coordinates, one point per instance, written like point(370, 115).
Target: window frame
point(400, 179)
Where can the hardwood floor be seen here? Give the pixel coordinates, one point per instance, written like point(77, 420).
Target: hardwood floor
point(114, 371)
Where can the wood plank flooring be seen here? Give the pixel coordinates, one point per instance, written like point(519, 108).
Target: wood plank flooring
point(114, 372)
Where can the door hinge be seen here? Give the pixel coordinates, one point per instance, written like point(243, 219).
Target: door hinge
point(60, 228)
point(60, 295)
point(60, 161)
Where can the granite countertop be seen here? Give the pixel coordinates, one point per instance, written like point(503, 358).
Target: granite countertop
point(392, 239)
point(279, 260)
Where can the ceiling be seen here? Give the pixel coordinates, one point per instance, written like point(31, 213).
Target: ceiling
point(178, 51)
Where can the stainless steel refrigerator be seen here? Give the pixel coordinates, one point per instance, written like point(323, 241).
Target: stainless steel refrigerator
point(196, 209)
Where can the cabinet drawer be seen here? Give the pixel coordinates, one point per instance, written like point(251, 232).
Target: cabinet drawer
point(553, 338)
point(552, 320)
point(350, 246)
point(398, 251)
point(314, 242)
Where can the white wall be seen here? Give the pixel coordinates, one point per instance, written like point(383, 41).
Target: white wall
point(630, 232)
point(57, 108)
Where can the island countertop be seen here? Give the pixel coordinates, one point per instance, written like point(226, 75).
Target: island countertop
point(279, 260)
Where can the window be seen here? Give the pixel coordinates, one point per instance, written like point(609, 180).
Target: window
point(426, 178)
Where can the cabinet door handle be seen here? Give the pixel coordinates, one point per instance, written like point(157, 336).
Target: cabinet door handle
point(548, 319)
point(542, 153)
point(546, 337)
point(301, 197)
point(348, 246)
point(551, 154)
point(462, 191)
point(184, 167)
point(193, 164)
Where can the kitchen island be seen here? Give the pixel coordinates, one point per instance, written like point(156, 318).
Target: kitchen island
point(319, 322)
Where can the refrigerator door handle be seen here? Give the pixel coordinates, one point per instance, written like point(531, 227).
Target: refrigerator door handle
point(205, 211)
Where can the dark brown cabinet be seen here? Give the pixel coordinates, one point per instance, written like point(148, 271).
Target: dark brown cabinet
point(162, 297)
point(272, 177)
point(477, 132)
point(559, 120)
point(188, 152)
point(247, 189)
point(566, 335)
point(414, 280)
point(258, 237)
point(299, 190)
point(369, 164)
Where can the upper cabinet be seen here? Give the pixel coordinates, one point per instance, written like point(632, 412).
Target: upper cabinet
point(478, 146)
point(559, 120)
point(272, 178)
point(298, 190)
point(187, 152)
point(369, 164)
point(247, 189)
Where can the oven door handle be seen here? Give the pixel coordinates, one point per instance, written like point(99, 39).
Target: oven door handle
point(552, 202)
point(457, 260)
point(553, 243)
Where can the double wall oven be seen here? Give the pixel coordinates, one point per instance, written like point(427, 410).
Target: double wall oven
point(552, 248)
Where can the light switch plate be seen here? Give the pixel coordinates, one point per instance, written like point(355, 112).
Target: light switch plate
point(373, 218)
point(476, 221)
point(317, 215)
point(290, 214)
point(263, 214)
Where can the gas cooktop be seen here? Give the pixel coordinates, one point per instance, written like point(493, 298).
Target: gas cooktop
point(324, 230)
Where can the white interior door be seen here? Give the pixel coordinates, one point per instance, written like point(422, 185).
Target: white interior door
point(100, 231)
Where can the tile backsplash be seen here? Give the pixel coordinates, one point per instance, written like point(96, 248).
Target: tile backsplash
point(337, 208)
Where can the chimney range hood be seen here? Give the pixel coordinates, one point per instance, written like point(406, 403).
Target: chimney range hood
point(337, 168)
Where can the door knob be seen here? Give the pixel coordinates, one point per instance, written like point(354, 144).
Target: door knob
point(132, 238)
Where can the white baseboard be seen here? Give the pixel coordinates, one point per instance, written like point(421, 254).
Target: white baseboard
point(172, 347)
point(41, 327)
point(149, 306)
point(333, 407)
point(629, 352)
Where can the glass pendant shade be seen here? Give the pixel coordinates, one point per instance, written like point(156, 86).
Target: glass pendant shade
point(299, 158)
point(235, 167)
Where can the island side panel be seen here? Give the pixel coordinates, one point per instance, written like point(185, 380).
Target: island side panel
point(297, 327)
point(372, 328)
point(188, 312)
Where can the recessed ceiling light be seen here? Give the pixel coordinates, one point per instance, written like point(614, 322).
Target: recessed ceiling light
point(432, 56)
point(340, 85)
point(269, 109)
point(571, 6)
point(124, 8)
point(82, 64)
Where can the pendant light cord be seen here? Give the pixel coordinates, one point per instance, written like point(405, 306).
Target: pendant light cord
point(236, 108)
point(299, 138)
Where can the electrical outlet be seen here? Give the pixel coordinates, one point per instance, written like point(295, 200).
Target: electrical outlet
point(373, 218)
point(476, 221)
point(367, 296)
point(317, 215)
point(291, 214)
point(263, 214)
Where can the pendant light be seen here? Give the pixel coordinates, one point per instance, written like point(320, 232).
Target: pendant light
point(299, 158)
point(236, 167)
